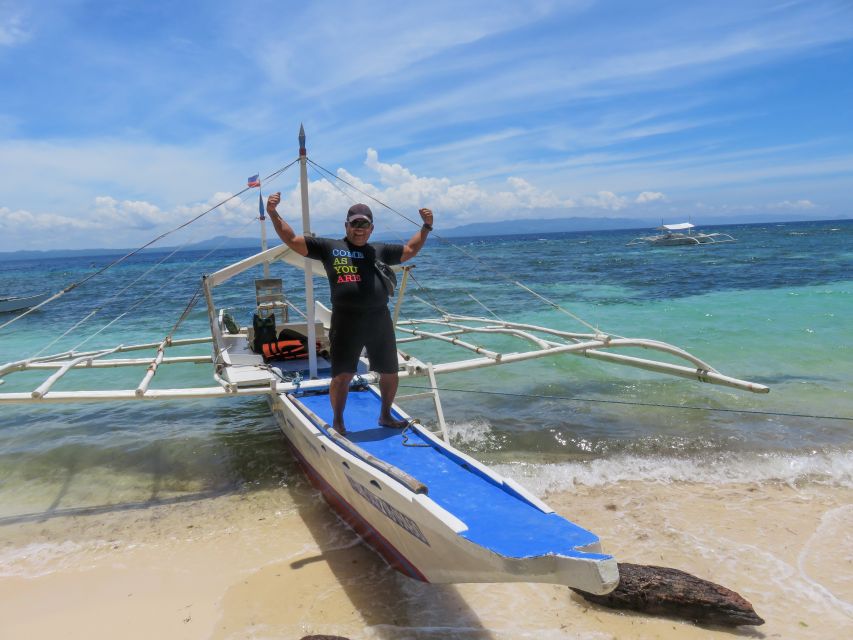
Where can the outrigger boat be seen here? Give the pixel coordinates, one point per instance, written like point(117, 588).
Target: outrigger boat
point(673, 235)
point(433, 512)
point(19, 303)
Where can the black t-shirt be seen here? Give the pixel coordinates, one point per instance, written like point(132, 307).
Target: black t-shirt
point(353, 279)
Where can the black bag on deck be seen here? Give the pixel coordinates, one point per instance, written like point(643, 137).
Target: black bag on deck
point(264, 332)
point(387, 275)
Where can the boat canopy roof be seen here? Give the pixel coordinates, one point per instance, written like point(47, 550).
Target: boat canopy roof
point(681, 226)
point(281, 252)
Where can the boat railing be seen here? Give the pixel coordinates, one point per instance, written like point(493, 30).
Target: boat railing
point(407, 480)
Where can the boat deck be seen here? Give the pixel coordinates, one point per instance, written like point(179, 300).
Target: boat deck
point(497, 517)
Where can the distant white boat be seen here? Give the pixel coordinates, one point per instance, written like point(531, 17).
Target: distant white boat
point(681, 234)
point(19, 303)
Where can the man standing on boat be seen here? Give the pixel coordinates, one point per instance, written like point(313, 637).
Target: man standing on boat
point(360, 315)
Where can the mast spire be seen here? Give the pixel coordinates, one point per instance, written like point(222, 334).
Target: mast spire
point(309, 274)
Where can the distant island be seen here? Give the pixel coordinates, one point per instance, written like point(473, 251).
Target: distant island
point(476, 229)
point(566, 225)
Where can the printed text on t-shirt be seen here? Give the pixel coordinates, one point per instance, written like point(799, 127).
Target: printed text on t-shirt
point(344, 268)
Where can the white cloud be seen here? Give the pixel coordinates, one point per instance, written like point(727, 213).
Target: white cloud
point(12, 31)
point(20, 220)
point(353, 46)
point(405, 191)
point(649, 196)
point(110, 221)
point(134, 214)
point(606, 200)
point(466, 201)
point(389, 174)
point(490, 109)
point(690, 47)
point(798, 204)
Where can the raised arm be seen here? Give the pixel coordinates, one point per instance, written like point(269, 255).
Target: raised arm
point(416, 242)
point(284, 230)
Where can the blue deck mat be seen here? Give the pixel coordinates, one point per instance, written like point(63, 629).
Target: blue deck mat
point(496, 518)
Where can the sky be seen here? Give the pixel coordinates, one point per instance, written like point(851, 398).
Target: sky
point(122, 120)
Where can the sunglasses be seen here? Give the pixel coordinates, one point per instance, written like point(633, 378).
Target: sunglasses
point(360, 224)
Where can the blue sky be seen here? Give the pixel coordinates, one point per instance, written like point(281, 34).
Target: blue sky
point(120, 120)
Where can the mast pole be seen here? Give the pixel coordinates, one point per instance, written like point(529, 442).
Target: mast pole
point(262, 218)
point(309, 272)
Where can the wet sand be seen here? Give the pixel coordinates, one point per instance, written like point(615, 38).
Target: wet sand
point(275, 563)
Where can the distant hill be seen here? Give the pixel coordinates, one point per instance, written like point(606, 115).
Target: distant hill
point(222, 242)
point(546, 225)
point(563, 225)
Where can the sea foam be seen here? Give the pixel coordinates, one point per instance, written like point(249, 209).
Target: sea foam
point(829, 469)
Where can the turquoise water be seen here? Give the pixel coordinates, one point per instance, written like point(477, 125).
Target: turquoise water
point(773, 308)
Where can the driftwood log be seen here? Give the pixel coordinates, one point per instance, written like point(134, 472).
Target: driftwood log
point(670, 592)
point(667, 592)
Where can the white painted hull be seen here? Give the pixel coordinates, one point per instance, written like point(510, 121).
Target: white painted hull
point(414, 534)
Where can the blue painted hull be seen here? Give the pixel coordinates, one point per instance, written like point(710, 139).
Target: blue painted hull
point(471, 526)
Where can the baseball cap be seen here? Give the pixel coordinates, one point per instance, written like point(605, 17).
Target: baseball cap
point(360, 212)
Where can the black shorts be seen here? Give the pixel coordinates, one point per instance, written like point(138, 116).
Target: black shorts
point(353, 330)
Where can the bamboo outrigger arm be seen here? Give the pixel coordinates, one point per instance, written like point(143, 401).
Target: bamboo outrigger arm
point(587, 345)
point(58, 360)
point(56, 397)
point(711, 377)
point(124, 362)
point(45, 386)
point(68, 361)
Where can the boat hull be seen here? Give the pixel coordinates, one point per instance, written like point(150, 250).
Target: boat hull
point(414, 534)
point(10, 305)
point(675, 242)
point(353, 518)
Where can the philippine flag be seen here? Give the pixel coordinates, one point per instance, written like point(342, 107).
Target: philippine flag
point(254, 181)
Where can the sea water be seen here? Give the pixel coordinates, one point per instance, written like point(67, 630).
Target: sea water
point(774, 308)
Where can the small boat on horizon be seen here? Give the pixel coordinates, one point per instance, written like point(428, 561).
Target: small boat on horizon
point(672, 235)
point(19, 303)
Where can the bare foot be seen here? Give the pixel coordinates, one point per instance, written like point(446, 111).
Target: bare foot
point(391, 423)
point(340, 428)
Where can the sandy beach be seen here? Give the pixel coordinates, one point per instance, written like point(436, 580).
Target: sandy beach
point(276, 563)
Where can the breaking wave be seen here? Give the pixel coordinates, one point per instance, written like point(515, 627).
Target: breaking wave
point(829, 469)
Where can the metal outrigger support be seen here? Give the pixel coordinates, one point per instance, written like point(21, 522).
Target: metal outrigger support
point(436, 399)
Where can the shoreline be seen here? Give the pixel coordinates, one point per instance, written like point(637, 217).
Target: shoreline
point(275, 562)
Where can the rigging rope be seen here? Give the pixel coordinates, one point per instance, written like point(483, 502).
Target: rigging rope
point(631, 403)
point(470, 255)
point(74, 285)
point(496, 316)
point(97, 310)
point(425, 290)
point(156, 291)
point(186, 312)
